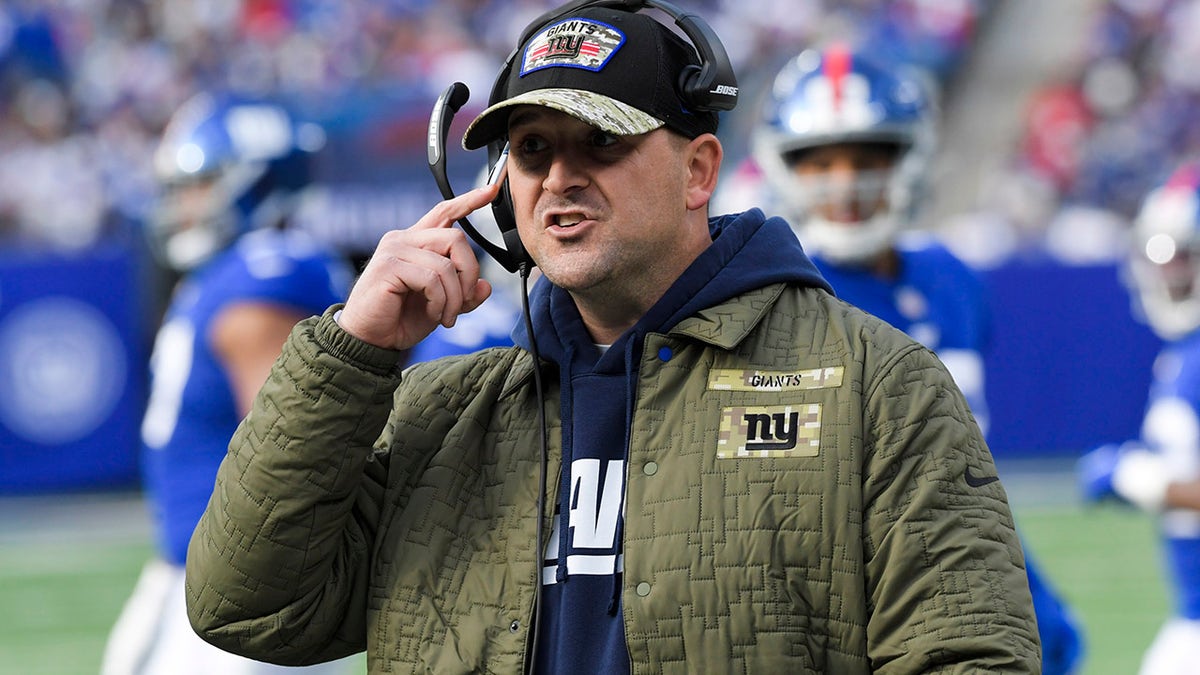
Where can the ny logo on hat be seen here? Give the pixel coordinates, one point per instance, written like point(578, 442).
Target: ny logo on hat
point(574, 43)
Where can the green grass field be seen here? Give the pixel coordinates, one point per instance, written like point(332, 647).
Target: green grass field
point(1105, 562)
point(64, 577)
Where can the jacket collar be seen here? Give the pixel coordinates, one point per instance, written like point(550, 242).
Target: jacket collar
point(726, 324)
point(520, 372)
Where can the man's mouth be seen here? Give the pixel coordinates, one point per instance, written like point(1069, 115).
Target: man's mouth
point(567, 220)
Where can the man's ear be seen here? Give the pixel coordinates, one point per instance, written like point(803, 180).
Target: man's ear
point(704, 164)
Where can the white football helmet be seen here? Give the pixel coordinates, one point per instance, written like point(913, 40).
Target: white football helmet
point(1164, 264)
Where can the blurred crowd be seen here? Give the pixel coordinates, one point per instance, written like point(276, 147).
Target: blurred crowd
point(86, 86)
point(1097, 135)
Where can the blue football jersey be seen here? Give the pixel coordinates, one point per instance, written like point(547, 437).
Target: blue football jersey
point(191, 413)
point(936, 299)
point(1176, 382)
point(1172, 427)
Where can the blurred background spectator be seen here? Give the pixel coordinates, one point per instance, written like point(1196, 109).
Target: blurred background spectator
point(1096, 134)
point(86, 86)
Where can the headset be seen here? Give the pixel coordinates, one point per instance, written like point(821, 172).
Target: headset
point(708, 87)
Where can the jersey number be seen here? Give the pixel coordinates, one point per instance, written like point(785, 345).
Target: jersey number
point(169, 367)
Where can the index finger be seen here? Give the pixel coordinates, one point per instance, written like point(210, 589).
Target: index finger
point(448, 212)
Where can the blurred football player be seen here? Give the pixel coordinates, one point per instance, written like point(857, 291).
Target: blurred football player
point(844, 146)
point(1160, 472)
point(231, 174)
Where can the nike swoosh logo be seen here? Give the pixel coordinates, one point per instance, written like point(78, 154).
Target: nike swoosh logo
point(978, 481)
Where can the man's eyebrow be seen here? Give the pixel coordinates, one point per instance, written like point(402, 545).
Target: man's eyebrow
point(524, 116)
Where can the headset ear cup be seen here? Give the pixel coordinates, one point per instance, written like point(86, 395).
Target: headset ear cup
point(502, 209)
point(506, 221)
point(688, 84)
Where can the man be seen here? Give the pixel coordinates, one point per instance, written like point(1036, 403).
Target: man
point(740, 472)
point(231, 172)
point(1160, 472)
point(845, 144)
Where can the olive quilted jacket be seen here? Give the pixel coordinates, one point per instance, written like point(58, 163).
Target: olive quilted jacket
point(797, 502)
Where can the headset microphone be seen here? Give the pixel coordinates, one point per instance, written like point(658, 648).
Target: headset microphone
point(443, 112)
point(444, 108)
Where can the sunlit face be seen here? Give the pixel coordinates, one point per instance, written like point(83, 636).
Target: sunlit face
point(193, 202)
point(191, 222)
point(1173, 263)
point(847, 182)
point(1180, 277)
point(599, 212)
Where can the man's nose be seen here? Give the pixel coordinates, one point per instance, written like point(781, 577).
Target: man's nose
point(566, 173)
point(842, 177)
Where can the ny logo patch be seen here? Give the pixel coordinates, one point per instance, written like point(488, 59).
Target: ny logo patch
point(770, 431)
point(574, 43)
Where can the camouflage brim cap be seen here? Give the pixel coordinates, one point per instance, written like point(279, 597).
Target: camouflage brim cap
point(614, 69)
point(598, 110)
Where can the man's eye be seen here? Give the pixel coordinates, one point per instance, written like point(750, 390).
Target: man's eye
point(810, 167)
point(603, 139)
point(530, 145)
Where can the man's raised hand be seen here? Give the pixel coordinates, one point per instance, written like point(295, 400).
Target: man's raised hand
point(419, 277)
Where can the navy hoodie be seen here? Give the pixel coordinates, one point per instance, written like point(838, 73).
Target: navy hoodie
point(581, 624)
